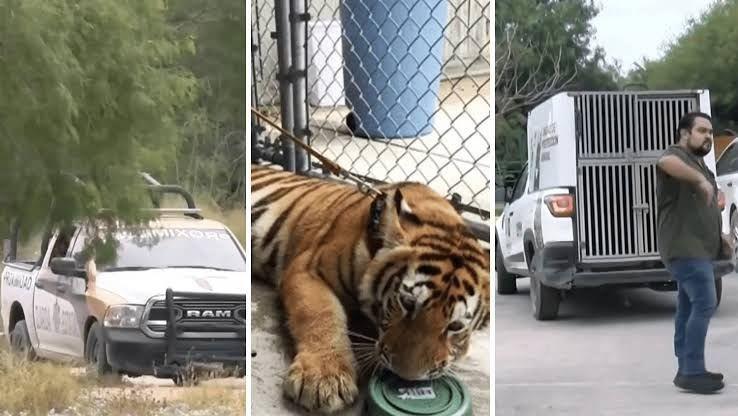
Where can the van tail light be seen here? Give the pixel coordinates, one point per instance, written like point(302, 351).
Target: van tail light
point(721, 200)
point(560, 205)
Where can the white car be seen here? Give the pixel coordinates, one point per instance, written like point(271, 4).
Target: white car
point(173, 300)
point(727, 179)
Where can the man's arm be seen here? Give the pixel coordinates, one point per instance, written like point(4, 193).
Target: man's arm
point(680, 170)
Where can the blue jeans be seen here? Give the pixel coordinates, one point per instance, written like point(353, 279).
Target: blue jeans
point(695, 306)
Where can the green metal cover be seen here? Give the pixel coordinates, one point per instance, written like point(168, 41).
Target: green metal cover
point(390, 395)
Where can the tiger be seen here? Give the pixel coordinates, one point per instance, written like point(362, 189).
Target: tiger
point(412, 267)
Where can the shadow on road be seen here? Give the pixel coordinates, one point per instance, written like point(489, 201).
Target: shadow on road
point(612, 305)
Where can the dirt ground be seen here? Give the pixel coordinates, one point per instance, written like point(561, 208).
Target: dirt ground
point(44, 388)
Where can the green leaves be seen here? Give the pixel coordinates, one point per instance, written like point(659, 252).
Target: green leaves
point(703, 57)
point(211, 160)
point(550, 43)
point(90, 93)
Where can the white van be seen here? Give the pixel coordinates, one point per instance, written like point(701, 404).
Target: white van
point(583, 211)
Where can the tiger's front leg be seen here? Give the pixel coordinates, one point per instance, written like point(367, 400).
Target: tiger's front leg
point(322, 376)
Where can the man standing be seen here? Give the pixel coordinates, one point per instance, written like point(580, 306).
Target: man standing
point(689, 239)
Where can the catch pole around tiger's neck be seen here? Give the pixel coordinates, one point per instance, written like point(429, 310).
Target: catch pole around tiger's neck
point(332, 166)
point(379, 198)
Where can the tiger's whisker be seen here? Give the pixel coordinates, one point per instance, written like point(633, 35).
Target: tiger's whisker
point(358, 335)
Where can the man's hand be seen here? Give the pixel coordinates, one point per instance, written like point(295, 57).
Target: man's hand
point(728, 245)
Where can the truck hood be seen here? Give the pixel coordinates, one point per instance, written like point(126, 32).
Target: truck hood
point(137, 287)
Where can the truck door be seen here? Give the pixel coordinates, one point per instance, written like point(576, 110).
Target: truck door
point(63, 334)
point(44, 299)
point(513, 219)
point(70, 307)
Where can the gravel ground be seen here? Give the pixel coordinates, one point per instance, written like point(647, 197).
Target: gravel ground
point(176, 410)
point(169, 411)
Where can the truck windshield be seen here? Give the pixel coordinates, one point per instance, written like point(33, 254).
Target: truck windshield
point(173, 248)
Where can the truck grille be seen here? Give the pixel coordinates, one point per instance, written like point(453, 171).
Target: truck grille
point(619, 138)
point(198, 318)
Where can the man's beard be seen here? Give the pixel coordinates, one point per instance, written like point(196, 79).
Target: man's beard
point(701, 151)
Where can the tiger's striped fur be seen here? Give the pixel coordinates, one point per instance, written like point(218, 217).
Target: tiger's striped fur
point(423, 279)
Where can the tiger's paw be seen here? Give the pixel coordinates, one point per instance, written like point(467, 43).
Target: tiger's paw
point(321, 382)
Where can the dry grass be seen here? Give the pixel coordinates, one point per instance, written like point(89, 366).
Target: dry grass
point(35, 387)
point(125, 402)
point(43, 388)
point(205, 397)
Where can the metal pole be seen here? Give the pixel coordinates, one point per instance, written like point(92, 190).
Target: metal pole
point(298, 21)
point(282, 20)
point(307, 106)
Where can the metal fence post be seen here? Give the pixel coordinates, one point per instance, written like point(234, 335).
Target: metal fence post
point(282, 20)
point(298, 20)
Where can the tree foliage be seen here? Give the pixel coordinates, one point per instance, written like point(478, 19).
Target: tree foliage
point(212, 158)
point(702, 57)
point(549, 44)
point(91, 93)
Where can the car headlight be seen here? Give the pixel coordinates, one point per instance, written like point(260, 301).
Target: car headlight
point(123, 316)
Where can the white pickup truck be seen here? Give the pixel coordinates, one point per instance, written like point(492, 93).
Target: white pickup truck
point(583, 212)
point(173, 300)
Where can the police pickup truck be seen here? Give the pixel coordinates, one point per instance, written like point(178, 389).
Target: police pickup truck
point(172, 301)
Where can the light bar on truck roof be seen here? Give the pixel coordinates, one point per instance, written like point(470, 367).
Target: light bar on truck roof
point(157, 188)
point(195, 212)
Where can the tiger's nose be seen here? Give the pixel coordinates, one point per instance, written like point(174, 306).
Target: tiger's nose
point(385, 353)
point(440, 366)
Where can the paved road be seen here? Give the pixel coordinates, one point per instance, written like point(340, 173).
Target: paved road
point(274, 353)
point(610, 353)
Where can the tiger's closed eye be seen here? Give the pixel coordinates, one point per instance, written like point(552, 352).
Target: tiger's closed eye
point(455, 326)
point(408, 303)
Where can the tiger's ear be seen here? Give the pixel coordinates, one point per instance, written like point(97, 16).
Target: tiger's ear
point(403, 210)
point(397, 213)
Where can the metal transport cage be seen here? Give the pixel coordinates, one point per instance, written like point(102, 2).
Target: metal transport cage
point(620, 136)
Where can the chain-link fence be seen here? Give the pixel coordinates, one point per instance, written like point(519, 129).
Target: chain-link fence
point(392, 90)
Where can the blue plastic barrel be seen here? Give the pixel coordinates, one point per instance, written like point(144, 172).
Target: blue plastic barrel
point(392, 53)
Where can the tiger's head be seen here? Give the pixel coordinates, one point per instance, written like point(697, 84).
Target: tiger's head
point(427, 286)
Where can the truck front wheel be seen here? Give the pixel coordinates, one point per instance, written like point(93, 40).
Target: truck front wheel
point(20, 341)
point(545, 300)
point(95, 354)
point(506, 284)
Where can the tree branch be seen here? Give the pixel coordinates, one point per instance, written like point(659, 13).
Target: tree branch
point(518, 85)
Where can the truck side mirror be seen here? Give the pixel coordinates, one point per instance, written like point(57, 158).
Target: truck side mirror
point(65, 266)
point(8, 250)
point(508, 194)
